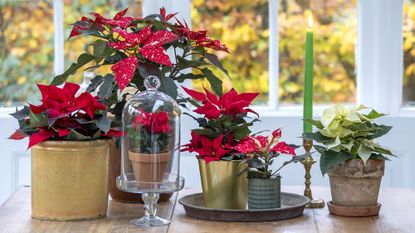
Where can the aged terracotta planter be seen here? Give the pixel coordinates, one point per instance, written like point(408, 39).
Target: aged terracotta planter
point(222, 188)
point(353, 184)
point(114, 171)
point(149, 167)
point(264, 193)
point(70, 180)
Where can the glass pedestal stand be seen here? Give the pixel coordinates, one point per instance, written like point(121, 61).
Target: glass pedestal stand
point(150, 217)
point(150, 193)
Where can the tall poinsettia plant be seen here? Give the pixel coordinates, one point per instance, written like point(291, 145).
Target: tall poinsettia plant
point(63, 116)
point(223, 124)
point(138, 47)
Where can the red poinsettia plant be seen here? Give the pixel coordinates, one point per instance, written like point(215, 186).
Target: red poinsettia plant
point(151, 132)
point(223, 124)
point(261, 152)
point(138, 47)
point(63, 115)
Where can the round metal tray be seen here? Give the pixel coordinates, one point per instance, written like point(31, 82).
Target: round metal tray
point(292, 205)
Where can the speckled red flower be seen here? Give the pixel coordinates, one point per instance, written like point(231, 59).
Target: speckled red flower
point(261, 144)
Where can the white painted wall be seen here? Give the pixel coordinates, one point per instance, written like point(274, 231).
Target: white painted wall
point(399, 172)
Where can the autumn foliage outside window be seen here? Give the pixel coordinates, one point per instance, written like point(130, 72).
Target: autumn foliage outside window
point(26, 42)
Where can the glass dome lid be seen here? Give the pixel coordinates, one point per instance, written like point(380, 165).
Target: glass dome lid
point(150, 145)
point(150, 148)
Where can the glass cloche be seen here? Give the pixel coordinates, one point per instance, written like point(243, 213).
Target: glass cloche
point(150, 148)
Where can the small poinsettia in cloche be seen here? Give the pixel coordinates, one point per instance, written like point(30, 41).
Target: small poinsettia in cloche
point(224, 122)
point(151, 132)
point(261, 152)
point(62, 115)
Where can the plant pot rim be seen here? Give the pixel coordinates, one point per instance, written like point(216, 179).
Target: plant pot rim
point(271, 178)
point(149, 158)
point(73, 145)
point(225, 161)
point(355, 168)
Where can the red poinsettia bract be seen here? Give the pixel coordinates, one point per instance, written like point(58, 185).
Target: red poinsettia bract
point(207, 149)
point(156, 123)
point(150, 46)
point(199, 37)
point(85, 24)
point(230, 103)
point(261, 144)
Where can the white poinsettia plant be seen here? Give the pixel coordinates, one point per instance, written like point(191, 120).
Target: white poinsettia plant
point(345, 133)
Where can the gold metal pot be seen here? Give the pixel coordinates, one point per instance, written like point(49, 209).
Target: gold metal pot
point(70, 180)
point(222, 188)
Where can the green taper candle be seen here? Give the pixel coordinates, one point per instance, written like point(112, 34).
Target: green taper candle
point(308, 76)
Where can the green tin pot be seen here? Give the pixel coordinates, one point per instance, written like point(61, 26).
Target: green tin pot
point(264, 193)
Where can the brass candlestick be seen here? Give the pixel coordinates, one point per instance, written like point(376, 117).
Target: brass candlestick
point(308, 163)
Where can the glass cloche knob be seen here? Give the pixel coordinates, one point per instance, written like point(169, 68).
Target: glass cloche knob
point(152, 83)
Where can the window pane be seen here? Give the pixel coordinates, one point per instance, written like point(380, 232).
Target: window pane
point(409, 52)
point(26, 48)
point(243, 26)
point(74, 10)
point(335, 34)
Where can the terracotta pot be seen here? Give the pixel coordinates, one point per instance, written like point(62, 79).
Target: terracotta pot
point(222, 188)
point(149, 167)
point(353, 184)
point(70, 180)
point(114, 171)
point(264, 193)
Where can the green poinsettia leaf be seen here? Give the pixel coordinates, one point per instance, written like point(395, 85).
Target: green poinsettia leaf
point(379, 156)
point(364, 126)
point(317, 136)
point(241, 132)
point(21, 114)
point(215, 61)
point(104, 124)
point(169, 87)
point(215, 82)
point(374, 114)
point(75, 135)
point(381, 150)
point(380, 131)
point(83, 59)
point(184, 63)
point(206, 132)
point(320, 149)
point(105, 90)
point(38, 120)
point(95, 82)
point(101, 49)
point(330, 159)
point(316, 123)
point(189, 76)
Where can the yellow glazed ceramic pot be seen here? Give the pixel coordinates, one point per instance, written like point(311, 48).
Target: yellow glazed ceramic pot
point(222, 188)
point(70, 180)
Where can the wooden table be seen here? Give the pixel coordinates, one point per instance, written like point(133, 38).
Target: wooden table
point(397, 215)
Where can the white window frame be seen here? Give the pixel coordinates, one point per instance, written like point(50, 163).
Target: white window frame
point(379, 43)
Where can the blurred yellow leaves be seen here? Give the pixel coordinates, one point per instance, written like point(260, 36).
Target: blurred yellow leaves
point(409, 51)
